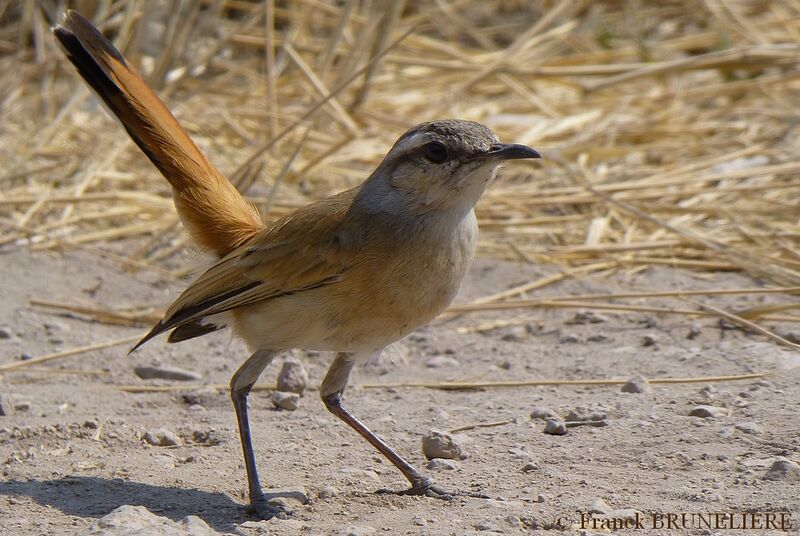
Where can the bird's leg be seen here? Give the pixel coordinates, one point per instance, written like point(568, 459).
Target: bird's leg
point(331, 392)
point(241, 383)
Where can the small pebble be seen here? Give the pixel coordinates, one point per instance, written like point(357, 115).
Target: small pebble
point(419, 521)
point(5, 332)
point(708, 412)
point(649, 340)
point(516, 334)
point(327, 492)
point(726, 431)
point(442, 361)
point(439, 464)
point(161, 437)
point(694, 332)
point(287, 401)
point(438, 444)
point(709, 392)
point(146, 372)
point(749, 428)
point(599, 506)
point(208, 438)
point(783, 469)
point(568, 338)
point(637, 384)
point(486, 527)
point(5, 408)
point(546, 414)
point(130, 520)
point(586, 414)
point(530, 467)
point(292, 378)
point(554, 427)
point(22, 406)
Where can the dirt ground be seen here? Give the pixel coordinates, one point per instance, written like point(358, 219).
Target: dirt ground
point(72, 451)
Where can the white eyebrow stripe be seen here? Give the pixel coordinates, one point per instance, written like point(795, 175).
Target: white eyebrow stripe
point(411, 142)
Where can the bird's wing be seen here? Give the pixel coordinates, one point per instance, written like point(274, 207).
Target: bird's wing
point(300, 252)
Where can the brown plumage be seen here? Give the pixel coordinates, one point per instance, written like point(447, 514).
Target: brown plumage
point(350, 274)
point(210, 207)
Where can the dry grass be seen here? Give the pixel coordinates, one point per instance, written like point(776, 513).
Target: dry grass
point(668, 129)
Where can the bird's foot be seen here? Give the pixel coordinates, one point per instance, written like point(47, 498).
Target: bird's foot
point(425, 488)
point(265, 508)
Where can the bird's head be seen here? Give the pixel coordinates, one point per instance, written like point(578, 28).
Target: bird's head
point(441, 165)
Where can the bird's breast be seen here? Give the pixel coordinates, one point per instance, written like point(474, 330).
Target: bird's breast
point(412, 284)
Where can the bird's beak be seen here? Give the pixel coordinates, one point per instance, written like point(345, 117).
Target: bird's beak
point(511, 151)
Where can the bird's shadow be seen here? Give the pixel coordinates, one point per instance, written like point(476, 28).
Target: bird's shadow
point(93, 497)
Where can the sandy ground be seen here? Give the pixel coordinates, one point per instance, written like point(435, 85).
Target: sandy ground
point(71, 447)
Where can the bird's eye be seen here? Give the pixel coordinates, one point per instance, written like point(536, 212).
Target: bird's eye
point(436, 152)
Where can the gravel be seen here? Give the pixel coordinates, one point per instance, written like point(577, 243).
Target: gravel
point(708, 412)
point(130, 520)
point(636, 384)
point(649, 340)
point(546, 414)
point(599, 506)
point(783, 469)
point(327, 492)
point(438, 444)
point(749, 428)
point(586, 414)
point(161, 437)
point(293, 377)
point(555, 427)
point(440, 464)
point(284, 400)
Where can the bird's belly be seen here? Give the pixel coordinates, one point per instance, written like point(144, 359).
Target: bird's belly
point(325, 320)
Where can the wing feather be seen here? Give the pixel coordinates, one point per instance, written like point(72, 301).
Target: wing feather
point(300, 252)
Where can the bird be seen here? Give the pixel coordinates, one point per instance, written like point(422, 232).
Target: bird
point(349, 274)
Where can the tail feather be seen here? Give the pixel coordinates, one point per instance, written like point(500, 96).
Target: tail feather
point(215, 213)
point(190, 330)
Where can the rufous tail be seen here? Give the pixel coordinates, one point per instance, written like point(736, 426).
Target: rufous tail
point(214, 212)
